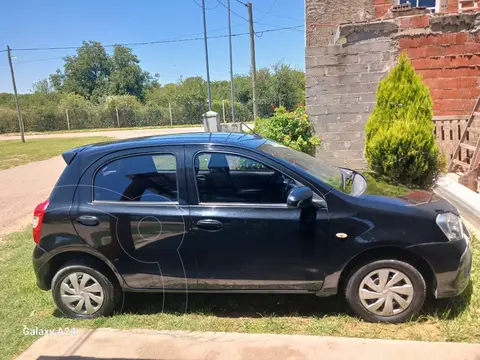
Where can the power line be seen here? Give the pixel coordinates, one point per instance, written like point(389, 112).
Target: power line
point(35, 60)
point(244, 4)
point(268, 12)
point(216, 6)
point(278, 15)
point(159, 41)
point(233, 12)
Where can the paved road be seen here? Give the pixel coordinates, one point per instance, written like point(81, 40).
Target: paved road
point(24, 187)
point(179, 345)
point(121, 134)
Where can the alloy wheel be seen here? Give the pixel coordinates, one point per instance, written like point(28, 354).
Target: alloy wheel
point(386, 292)
point(81, 293)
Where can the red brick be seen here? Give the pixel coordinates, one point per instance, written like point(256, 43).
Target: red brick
point(453, 104)
point(381, 10)
point(457, 72)
point(446, 39)
point(452, 83)
point(441, 94)
point(472, 93)
point(466, 60)
point(427, 40)
point(452, 6)
point(434, 51)
point(415, 53)
point(431, 73)
point(449, 113)
point(466, 48)
point(408, 42)
point(431, 63)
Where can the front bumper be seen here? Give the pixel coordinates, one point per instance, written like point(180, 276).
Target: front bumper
point(451, 263)
point(455, 282)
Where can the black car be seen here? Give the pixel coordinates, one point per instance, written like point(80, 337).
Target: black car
point(219, 212)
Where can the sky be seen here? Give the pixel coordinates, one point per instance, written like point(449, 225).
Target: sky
point(65, 23)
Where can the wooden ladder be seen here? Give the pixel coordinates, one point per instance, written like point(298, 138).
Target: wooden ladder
point(472, 129)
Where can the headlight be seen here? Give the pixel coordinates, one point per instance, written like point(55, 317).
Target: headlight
point(451, 226)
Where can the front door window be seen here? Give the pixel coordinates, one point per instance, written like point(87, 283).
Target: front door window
point(227, 178)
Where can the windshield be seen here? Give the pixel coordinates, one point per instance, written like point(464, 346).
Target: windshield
point(326, 173)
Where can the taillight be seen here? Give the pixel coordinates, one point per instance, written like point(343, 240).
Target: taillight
point(38, 219)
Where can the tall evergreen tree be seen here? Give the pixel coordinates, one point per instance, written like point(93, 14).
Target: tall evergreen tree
point(400, 144)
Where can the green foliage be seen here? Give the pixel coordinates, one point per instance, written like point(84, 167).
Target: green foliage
point(292, 129)
point(8, 120)
point(93, 74)
point(93, 81)
point(399, 134)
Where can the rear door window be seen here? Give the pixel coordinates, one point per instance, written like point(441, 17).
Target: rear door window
point(141, 178)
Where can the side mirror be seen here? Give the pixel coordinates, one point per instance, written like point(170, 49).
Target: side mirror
point(300, 197)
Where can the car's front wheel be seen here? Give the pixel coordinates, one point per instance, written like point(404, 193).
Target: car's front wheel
point(390, 291)
point(81, 291)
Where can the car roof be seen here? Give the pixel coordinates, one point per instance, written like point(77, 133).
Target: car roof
point(234, 139)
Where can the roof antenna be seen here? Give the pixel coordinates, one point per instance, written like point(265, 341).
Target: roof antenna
point(249, 128)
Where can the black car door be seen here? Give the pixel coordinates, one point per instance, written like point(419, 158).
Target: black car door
point(245, 235)
point(132, 207)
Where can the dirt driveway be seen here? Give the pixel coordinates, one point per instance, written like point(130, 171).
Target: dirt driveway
point(122, 134)
point(24, 187)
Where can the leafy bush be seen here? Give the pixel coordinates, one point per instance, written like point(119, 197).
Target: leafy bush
point(292, 129)
point(400, 144)
point(8, 120)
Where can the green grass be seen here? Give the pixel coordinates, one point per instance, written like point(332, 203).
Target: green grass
point(15, 153)
point(105, 129)
point(23, 304)
point(379, 186)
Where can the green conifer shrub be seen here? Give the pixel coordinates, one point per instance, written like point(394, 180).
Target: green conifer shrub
point(400, 145)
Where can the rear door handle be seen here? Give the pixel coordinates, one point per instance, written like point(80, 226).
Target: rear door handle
point(209, 225)
point(88, 220)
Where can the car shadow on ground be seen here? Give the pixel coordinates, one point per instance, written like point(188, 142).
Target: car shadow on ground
point(261, 305)
point(265, 305)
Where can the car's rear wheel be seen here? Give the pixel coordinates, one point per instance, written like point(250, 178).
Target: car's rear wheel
point(80, 291)
point(390, 291)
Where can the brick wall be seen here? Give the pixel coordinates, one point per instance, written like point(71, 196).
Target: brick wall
point(382, 7)
point(445, 6)
point(342, 79)
point(448, 61)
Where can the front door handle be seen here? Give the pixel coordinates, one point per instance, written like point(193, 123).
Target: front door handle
point(88, 220)
point(209, 225)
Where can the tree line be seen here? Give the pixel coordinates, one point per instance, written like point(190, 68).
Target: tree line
point(95, 89)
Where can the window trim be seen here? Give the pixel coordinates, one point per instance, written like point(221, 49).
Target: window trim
point(230, 204)
point(436, 8)
point(156, 203)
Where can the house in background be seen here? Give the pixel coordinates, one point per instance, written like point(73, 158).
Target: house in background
point(352, 45)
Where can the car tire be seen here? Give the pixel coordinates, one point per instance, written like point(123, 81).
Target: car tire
point(99, 295)
point(394, 300)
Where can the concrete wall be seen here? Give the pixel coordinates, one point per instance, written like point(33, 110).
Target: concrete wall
point(342, 79)
point(341, 88)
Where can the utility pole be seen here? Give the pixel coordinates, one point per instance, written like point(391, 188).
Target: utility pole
point(68, 119)
point(231, 60)
point(254, 66)
point(20, 119)
point(206, 55)
point(118, 118)
point(223, 107)
point(171, 117)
